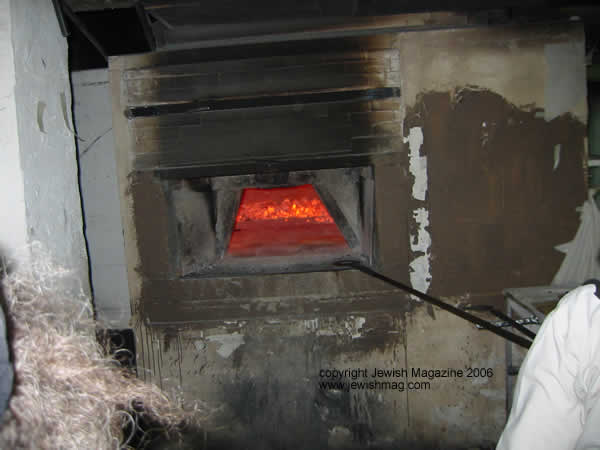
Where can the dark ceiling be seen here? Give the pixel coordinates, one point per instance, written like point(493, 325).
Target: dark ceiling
point(116, 27)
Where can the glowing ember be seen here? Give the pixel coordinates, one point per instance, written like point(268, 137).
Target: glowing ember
point(304, 205)
point(284, 221)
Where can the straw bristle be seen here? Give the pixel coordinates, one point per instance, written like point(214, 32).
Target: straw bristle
point(68, 394)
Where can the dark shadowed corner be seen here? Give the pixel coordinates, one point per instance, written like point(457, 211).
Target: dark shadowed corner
point(6, 367)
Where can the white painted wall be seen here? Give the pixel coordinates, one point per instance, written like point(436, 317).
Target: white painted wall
point(12, 198)
point(40, 195)
point(99, 190)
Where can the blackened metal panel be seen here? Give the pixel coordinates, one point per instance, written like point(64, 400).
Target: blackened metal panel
point(220, 116)
point(296, 136)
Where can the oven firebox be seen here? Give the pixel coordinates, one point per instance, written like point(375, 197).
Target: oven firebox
point(272, 223)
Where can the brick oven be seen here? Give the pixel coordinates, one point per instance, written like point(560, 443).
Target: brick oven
point(247, 171)
point(243, 164)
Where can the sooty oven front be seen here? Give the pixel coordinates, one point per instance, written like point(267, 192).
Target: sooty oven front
point(246, 172)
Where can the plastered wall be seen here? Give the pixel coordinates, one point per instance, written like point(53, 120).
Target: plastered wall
point(40, 188)
point(99, 191)
point(13, 231)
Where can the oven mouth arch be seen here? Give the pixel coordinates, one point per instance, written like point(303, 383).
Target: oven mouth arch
point(202, 248)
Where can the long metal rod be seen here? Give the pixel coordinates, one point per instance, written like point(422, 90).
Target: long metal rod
point(509, 320)
point(519, 340)
point(514, 323)
point(207, 105)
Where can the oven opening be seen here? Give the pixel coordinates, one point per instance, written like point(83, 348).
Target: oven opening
point(284, 221)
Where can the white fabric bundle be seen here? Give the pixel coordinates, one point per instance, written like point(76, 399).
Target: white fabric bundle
point(556, 405)
point(582, 260)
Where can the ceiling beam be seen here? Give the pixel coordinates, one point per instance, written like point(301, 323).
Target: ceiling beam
point(84, 30)
point(97, 5)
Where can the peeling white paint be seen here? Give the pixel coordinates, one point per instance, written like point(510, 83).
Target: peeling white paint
point(311, 325)
point(485, 134)
point(557, 148)
point(422, 241)
point(350, 327)
point(417, 163)
point(227, 343)
point(420, 276)
point(357, 326)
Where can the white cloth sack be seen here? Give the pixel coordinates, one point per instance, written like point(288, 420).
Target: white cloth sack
point(582, 260)
point(556, 404)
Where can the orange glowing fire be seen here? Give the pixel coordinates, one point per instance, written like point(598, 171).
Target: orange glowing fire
point(280, 205)
point(283, 222)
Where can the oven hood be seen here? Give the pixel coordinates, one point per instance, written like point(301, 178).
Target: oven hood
point(259, 109)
